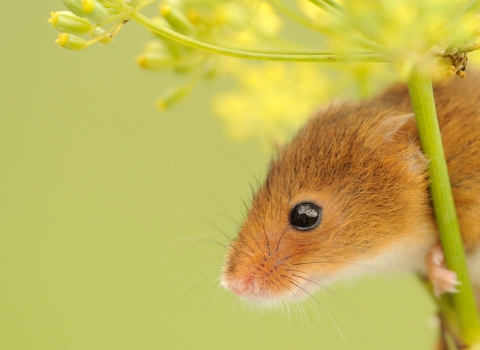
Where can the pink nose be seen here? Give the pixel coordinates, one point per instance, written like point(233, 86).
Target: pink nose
point(242, 287)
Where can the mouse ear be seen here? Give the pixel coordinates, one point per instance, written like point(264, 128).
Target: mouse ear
point(396, 128)
point(402, 129)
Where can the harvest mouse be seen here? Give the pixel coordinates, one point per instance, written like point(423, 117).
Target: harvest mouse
point(349, 195)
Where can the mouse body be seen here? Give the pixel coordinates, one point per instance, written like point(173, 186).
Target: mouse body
point(349, 195)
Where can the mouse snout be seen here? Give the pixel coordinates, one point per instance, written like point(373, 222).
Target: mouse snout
point(253, 276)
point(242, 287)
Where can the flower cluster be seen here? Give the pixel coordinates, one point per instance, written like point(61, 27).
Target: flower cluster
point(273, 99)
point(219, 22)
point(396, 27)
point(89, 18)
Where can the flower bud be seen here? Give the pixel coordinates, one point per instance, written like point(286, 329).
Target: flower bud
point(88, 6)
point(76, 7)
point(96, 12)
point(66, 21)
point(91, 9)
point(448, 70)
point(155, 45)
point(172, 96)
point(71, 42)
point(176, 19)
point(155, 60)
point(210, 70)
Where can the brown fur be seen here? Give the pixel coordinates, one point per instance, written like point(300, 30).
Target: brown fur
point(362, 163)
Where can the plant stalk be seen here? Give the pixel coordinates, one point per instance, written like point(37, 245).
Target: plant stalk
point(170, 34)
point(421, 94)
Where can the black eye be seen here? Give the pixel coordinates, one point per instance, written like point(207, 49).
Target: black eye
point(306, 216)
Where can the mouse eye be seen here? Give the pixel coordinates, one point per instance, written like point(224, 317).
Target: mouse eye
point(305, 216)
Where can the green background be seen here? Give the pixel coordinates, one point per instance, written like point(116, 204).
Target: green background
point(104, 234)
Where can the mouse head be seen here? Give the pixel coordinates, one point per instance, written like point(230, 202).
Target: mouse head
point(335, 200)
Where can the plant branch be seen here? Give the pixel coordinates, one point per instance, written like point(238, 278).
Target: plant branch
point(330, 6)
point(472, 7)
point(328, 31)
point(421, 93)
point(170, 34)
point(468, 47)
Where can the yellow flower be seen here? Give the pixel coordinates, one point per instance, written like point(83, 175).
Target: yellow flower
point(398, 27)
point(71, 42)
point(274, 99)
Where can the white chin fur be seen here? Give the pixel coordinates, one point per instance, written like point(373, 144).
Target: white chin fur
point(401, 257)
point(269, 301)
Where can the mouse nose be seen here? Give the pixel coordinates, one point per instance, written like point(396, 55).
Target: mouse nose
point(242, 287)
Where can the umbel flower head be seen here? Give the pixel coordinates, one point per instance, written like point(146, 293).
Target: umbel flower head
point(273, 99)
point(88, 17)
point(91, 9)
point(66, 21)
point(226, 23)
point(70, 41)
point(397, 27)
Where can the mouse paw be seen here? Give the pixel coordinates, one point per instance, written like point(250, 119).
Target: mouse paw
point(443, 280)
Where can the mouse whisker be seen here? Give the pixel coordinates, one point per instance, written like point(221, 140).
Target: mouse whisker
point(342, 262)
point(246, 207)
point(217, 242)
point(223, 245)
point(355, 313)
point(251, 249)
point(215, 300)
point(291, 281)
point(324, 310)
point(286, 258)
point(217, 148)
point(218, 229)
point(205, 221)
point(266, 238)
point(278, 243)
point(202, 190)
point(276, 285)
point(258, 245)
point(318, 284)
point(306, 279)
point(291, 291)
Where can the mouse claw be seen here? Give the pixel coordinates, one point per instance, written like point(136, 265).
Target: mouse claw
point(443, 280)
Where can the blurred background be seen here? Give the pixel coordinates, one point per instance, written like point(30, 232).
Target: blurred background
point(109, 212)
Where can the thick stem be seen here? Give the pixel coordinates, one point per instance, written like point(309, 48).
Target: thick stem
point(353, 57)
point(421, 93)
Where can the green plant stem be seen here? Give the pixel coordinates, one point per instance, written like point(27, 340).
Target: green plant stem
point(333, 4)
point(421, 93)
point(155, 27)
